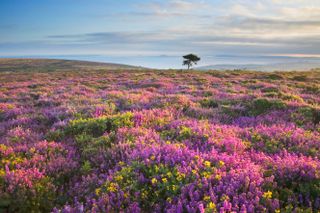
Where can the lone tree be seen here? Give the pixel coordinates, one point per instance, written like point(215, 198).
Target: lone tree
point(189, 60)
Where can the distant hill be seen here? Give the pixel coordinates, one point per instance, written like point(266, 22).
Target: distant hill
point(299, 66)
point(47, 65)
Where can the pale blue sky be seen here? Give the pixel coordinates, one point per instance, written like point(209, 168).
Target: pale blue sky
point(141, 28)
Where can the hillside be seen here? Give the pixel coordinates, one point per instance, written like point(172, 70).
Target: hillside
point(47, 65)
point(293, 66)
point(160, 141)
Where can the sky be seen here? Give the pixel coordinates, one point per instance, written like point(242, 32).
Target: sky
point(142, 31)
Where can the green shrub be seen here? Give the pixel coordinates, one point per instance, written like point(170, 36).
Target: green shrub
point(86, 167)
point(39, 198)
point(262, 105)
point(290, 97)
point(306, 115)
point(97, 126)
point(300, 78)
point(316, 116)
point(271, 94)
point(274, 77)
point(84, 140)
point(57, 135)
point(90, 126)
point(313, 89)
point(207, 94)
point(209, 103)
point(168, 134)
point(288, 189)
point(269, 89)
point(231, 110)
point(89, 145)
point(270, 145)
point(185, 133)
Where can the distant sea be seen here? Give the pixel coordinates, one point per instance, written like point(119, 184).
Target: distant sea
point(175, 62)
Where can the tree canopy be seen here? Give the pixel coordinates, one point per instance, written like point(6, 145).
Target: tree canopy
point(190, 60)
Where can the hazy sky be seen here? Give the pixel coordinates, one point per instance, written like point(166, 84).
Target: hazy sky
point(163, 27)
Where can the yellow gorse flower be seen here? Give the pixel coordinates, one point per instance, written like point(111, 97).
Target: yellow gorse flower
point(267, 195)
point(206, 174)
point(126, 195)
point(180, 176)
point(218, 177)
point(144, 194)
point(206, 198)
point(211, 205)
point(221, 163)
point(112, 187)
point(118, 178)
point(98, 190)
point(2, 146)
point(154, 181)
point(174, 187)
point(207, 164)
point(224, 197)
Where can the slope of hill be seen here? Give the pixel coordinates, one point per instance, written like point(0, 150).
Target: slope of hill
point(47, 65)
point(159, 141)
point(301, 66)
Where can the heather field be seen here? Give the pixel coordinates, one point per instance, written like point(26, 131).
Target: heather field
point(159, 141)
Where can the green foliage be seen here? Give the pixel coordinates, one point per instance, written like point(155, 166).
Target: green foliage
point(91, 126)
point(232, 111)
point(288, 188)
point(86, 167)
point(57, 135)
point(24, 199)
point(207, 94)
point(90, 146)
point(262, 105)
point(185, 133)
point(270, 89)
point(300, 78)
point(316, 116)
point(274, 77)
point(306, 115)
point(270, 145)
point(164, 184)
point(168, 134)
point(313, 89)
point(209, 103)
point(190, 59)
point(97, 126)
point(290, 97)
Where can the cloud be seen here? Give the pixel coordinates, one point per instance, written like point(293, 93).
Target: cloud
point(182, 39)
point(174, 5)
point(278, 22)
point(270, 25)
point(208, 27)
point(175, 8)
